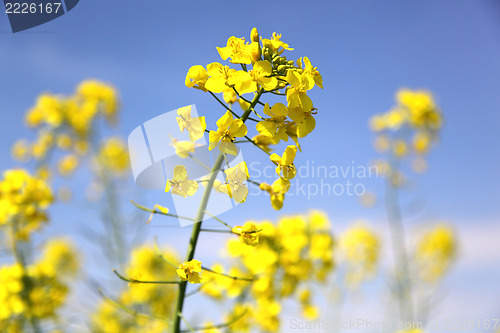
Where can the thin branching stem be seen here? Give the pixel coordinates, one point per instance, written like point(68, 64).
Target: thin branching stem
point(131, 280)
point(228, 276)
point(154, 211)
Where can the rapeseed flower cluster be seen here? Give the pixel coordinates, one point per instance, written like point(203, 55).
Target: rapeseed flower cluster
point(24, 200)
point(263, 70)
point(39, 289)
point(150, 300)
point(285, 261)
point(410, 128)
point(435, 252)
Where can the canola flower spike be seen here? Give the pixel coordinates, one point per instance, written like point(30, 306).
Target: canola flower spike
point(228, 129)
point(274, 127)
point(195, 126)
point(190, 271)
point(248, 233)
point(180, 184)
point(235, 182)
point(284, 164)
point(196, 77)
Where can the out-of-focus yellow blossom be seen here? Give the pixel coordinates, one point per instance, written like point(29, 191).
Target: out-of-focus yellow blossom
point(64, 141)
point(309, 311)
point(264, 141)
point(243, 104)
point(435, 252)
point(81, 147)
point(220, 77)
point(180, 184)
point(40, 147)
point(414, 330)
point(423, 112)
point(195, 126)
point(284, 164)
point(399, 148)
point(183, 148)
point(25, 199)
point(48, 109)
point(249, 233)
point(247, 82)
point(114, 155)
point(21, 150)
point(296, 93)
point(217, 285)
point(360, 248)
point(228, 129)
point(211, 328)
point(382, 143)
point(196, 77)
point(284, 262)
point(275, 44)
point(236, 178)
point(421, 142)
point(67, 164)
point(190, 271)
point(277, 191)
point(238, 51)
point(100, 95)
point(275, 125)
point(309, 69)
point(244, 314)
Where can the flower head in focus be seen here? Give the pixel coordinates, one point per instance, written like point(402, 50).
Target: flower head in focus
point(190, 271)
point(180, 184)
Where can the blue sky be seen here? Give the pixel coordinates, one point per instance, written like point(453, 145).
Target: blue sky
point(365, 51)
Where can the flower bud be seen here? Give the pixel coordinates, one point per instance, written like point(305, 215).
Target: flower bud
point(254, 35)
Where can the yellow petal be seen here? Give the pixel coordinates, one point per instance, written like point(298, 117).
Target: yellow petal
point(180, 172)
point(225, 121)
point(228, 148)
point(267, 128)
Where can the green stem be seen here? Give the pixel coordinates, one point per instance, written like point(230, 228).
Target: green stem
point(176, 328)
point(25, 280)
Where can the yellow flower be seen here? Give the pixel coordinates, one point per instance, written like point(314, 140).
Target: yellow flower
point(435, 252)
point(180, 185)
point(183, 148)
point(98, 93)
point(238, 51)
point(277, 191)
point(421, 142)
point(220, 77)
point(275, 44)
point(114, 155)
point(229, 95)
point(247, 82)
point(190, 271)
point(195, 126)
point(67, 164)
point(235, 180)
point(21, 150)
point(361, 249)
point(296, 93)
point(304, 120)
point(310, 70)
point(285, 166)
point(248, 233)
point(264, 142)
point(196, 77)
point(275, 125)
point(228, 128)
